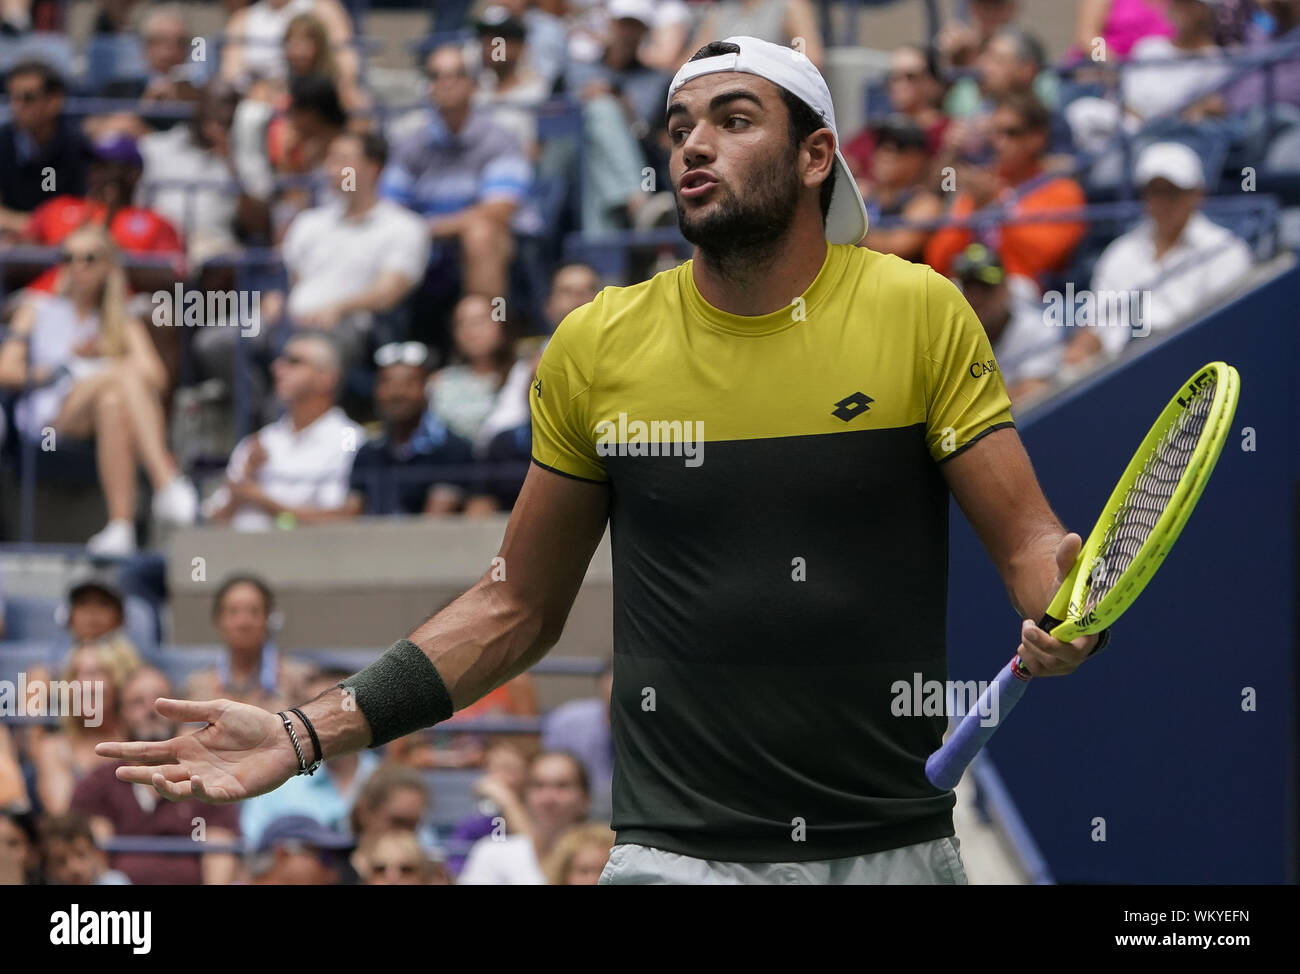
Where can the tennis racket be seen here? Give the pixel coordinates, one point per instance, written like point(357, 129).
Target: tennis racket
point(1140, 523)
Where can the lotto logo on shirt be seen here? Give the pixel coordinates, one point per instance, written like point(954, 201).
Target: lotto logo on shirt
point(657, 438)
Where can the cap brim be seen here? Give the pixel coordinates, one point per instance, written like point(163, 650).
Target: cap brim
point(846, 221)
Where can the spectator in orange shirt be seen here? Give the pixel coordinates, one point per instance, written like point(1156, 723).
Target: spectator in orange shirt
point(1017, 186)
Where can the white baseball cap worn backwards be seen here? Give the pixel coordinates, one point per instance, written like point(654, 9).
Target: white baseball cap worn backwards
point(846, 220)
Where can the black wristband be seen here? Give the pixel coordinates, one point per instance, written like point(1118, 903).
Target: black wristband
point(399, 693)
point(1103, 640)
point(315, 741)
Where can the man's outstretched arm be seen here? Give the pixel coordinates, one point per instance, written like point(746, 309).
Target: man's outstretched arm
point(499, 628)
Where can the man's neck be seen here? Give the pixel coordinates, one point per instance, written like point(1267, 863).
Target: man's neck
point(360, 201)
point(455, 121)
point(400, 432)
point(303, 414)
point(762, 280)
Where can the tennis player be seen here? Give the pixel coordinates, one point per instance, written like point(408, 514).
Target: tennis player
point(771, 432)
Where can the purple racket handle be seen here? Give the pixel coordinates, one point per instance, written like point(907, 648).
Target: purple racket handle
point(946, 765)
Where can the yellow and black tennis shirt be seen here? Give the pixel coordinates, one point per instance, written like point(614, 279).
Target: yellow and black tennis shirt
point(780, 542)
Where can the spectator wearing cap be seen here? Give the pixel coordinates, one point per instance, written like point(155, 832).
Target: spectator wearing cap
point(915, 91)
point(326, 797)
point(400, 471)
point(1176, 259)
point(1025, 343)
point(467, 176)
point(96, 609)
point(114, 173)
point(118, 809)
point(38, 139)
point(896, 191)
point(294, 470)
point(1018, 185)
point(252, 671)
point(356, 256)
point(296, 850)
point(509, 89)
point(90, 369)
point(777, 21)
point(71, 856)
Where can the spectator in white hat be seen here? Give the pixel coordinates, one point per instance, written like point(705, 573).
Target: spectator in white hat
point(1176, 259)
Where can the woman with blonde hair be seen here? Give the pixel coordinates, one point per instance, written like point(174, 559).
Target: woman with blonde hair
point(91, 370)
point(98, 670)
point(579, 857)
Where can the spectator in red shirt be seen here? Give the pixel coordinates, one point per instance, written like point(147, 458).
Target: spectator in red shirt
point(1016, 186)
point(119, 809)
point(110, 188)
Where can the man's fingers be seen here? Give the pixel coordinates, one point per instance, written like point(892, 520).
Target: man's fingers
point(1045, 654)
point(1066, 553)
point(172, 790)
point(139, 752)
point(190, 711)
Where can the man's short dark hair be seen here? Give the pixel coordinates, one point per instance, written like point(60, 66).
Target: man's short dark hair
point(1036, 116)
point(268, 597)
point(68, 827)
point(51, 81)
point(373, 146)
point(317, 94)
point(803, 120)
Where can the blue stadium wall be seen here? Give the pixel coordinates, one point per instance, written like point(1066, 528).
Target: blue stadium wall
point(1151, 736)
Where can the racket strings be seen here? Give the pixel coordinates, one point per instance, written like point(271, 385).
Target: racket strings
point(1146, 500)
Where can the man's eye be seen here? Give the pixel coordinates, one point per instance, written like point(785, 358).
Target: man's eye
point(678, 134)
point(735, 120)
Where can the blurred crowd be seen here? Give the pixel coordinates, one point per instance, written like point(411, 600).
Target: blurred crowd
point(520, 808)
point(253, 224)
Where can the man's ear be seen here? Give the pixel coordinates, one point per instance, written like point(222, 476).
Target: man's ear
point(817, 157)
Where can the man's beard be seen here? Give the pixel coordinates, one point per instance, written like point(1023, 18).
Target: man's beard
point(741, 233)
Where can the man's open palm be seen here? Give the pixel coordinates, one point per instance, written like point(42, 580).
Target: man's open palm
point(244, 751)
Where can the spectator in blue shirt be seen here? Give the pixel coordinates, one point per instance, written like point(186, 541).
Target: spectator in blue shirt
point(398, 472)
point(465, 174)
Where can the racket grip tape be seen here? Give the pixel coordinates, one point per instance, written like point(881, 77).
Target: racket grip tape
point(946, 765)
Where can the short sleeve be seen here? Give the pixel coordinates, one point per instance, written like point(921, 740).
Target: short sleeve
point(965, 393)
point(559, 400)
point(408, 250)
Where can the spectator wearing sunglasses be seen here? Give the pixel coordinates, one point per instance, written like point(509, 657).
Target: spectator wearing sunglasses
point(397, 859)
point(411, 467)
point(91, 370)
point(36, 140)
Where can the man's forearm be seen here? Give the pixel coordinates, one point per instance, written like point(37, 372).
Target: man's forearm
point(1030, 575)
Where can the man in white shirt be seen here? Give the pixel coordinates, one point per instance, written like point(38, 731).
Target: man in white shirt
point(558, 796)
point(1170, 265)
point(1026, 345)
point(296, 469)
point(356, 256)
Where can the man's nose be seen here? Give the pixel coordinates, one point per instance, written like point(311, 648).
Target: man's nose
point(698, 149)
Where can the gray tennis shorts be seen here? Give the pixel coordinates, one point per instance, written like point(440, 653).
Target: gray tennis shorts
point(933, 863)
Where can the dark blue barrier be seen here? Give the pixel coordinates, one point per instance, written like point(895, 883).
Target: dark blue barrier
point(1151, 736)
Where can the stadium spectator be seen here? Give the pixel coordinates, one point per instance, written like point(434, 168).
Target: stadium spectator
point(1026, 345)
point(252, 671)
point(557, 797)
point(1284, 80)
point(13, 787)
point(620, 71)
point(501, 799)
point(394, 798)
point(463, 393)
point(466, 175)
point(96, 609)
point(71, 856)
point(397, 472)
point(115, 808)
point(325, 797)
point(20, 856)
point(255, 37)
point(895, 189)
point(114, 173)
point(208, 214)
point(665, 47)
point(356, 256)
point(397, 859)
point(296, 469)
point(1174, 262)
point(1017, 186)
point(961, 43)
point(298, 141)
point(296, 850)
point(778, 21)
point(171, 71)
point(95, 373)
point(98, 672)
point(1159, 89)
point(37, 138)
point(1120, 24)
point(581, 728)
point(509, 90)
point(580, 856)
point(915, 91)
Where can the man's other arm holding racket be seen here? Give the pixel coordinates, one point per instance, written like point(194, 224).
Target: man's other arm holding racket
point(995, 486)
